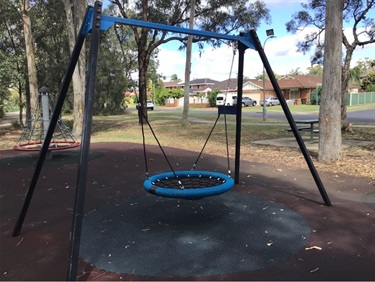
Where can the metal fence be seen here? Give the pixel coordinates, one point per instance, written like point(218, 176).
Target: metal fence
point(353, 99)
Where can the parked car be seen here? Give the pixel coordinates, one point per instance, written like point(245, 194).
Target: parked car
point(270, 101)
point(225, 99)
point(150, 105)
point(246, 101)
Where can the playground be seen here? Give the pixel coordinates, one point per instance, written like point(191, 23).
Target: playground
point(268, 227)
point(91, 218)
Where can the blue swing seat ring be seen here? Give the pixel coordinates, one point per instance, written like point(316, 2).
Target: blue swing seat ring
point(195, 184)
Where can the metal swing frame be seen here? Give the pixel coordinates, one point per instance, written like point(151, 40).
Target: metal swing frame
point(94, 21)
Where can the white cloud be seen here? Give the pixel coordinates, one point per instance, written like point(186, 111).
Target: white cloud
point(215, 63)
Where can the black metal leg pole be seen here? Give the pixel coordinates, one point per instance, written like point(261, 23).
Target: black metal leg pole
point(55, 116)
point(290, 118)
point(241, 55)
point(75, 237)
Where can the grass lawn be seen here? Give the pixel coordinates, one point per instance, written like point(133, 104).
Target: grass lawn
point(166, 124)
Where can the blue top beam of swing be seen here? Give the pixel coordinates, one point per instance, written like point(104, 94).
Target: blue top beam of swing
point(108, 21)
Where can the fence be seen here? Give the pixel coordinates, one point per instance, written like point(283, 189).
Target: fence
point(353, 99)
point(193, 101)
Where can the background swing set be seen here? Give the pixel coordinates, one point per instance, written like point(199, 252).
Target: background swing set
point(94, 22)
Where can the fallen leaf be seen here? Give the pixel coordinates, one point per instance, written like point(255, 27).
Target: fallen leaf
point(313, 248)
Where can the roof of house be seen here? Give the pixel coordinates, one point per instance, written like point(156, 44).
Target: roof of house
point(201, 81)
point(228, 84)
point(285, 82)
point(174, 83)
point(300, 81)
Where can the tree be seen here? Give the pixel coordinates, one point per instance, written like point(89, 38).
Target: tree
point(296, 71)
point(359, 13)
point(212, 97)
point(366, 65)
point(260, 76)
point(163, 93)
point(355, 75)
point(174, 77)
point(75, 10)
point(30, 56)
point(185, 112)
point(368, 83)
point(315, 70)
point(12, 53)
point(224, 16)
point(330, 103)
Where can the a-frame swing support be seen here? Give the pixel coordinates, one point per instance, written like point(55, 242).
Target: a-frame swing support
point(94, 22)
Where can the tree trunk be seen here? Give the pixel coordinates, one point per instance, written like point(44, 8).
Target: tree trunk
point(20, 104)
point(79, 78)
point(330, 106)
point(30, 55)
point(345, 86)
point(185, 112)
point(142, 85)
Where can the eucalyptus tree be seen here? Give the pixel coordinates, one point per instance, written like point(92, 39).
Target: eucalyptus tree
point(12, 53)
point(25, 8)
point(74, 11)
point(359, 14)
point(117, 62)
point(224, 16)
point(52, 49)
point(330, 103)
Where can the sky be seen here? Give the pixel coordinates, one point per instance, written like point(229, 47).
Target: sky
point(281, 51)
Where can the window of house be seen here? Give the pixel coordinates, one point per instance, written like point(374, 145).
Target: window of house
point(294, 94)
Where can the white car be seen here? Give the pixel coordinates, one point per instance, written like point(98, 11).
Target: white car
point(270, 101)
point(149, 105)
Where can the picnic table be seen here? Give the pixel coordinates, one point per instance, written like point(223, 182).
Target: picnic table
point(309, 126)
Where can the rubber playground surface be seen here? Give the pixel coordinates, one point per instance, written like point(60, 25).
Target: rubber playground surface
point(273, 225)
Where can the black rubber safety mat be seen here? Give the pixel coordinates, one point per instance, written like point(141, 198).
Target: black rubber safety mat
point(152, 236)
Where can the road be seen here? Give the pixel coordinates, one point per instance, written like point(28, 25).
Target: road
point(363, 116)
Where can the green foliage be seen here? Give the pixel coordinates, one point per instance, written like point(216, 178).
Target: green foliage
point(315, 70)
point(111, 80)
point(212, 97)
point(368, 83)
point(174, 77)
point(296, 71)
point(227, 16)
point(51, 37)
point(355, 75)
point(162, 94)
point(313, 14)
point(315, 96)
point(12, 53)
point(4, 95)
point(260, 76)
point(366, 65)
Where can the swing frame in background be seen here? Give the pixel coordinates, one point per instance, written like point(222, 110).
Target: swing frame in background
point(94, 21)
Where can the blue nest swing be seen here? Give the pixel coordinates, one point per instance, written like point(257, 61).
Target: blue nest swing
point(188, 184)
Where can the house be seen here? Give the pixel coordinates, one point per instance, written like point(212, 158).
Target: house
point(249, 88)
point(174, 84)
point(199, 90)
point(198, 87)
point(296, 88)
point(299, 87)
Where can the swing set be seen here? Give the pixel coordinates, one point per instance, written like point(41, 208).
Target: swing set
point(179, 184)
